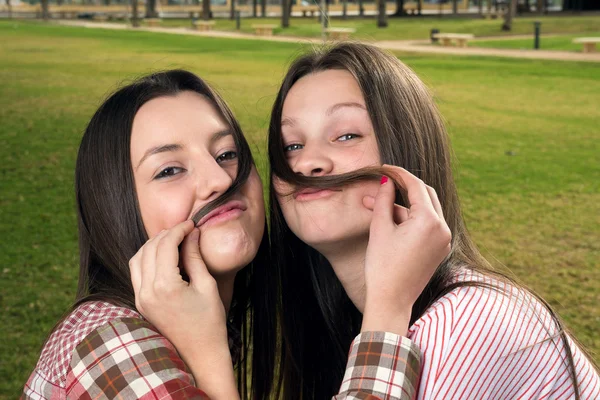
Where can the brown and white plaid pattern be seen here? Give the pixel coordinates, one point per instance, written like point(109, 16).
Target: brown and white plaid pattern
point(103, 351)
point(381, 365)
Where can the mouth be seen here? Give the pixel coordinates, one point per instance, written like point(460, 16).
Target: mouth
point(309, 194)
point(227, 211)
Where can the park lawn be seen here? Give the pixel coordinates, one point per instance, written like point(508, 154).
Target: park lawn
point(525, 135)
point(410, 27)
point(563, 42)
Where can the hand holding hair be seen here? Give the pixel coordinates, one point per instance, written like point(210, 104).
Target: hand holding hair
point(190, 314)
point(406, 245)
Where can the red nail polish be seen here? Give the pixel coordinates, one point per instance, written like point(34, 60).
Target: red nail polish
point(384, 179)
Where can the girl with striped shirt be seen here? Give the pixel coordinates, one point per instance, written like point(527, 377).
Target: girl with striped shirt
point(341, 113)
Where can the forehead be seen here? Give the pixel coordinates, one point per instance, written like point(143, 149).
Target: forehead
point(180, 118)
point(322, 89)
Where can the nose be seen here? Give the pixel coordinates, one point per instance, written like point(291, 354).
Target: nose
point(212, 180)
point(313, 161)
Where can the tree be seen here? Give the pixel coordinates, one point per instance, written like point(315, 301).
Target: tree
point(206, 14)
point(381, 15)
point(509, 15)
point(361, 8)
point(9, 9)
point(151, 9)
point(455, 7)
point(399, 8)
point(263, 8)
point(254, 6)
point(135, 21)
point(45, 10)
point(285, 13)
point(344, 9)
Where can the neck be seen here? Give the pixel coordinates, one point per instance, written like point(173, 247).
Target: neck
point(225, 286)
point(348, 263)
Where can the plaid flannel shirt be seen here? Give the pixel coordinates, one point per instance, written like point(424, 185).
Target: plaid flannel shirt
point(104, 351)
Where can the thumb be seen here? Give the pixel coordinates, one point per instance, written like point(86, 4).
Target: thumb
point(193, 264)
point(383, 209)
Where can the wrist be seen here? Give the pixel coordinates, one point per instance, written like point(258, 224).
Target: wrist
point(386, 319)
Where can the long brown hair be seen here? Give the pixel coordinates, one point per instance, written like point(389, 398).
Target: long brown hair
point(111, 230)
point(318, 319)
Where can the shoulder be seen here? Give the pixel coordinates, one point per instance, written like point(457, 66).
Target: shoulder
point(51, 369)
point(488, 306)
point(131, 355)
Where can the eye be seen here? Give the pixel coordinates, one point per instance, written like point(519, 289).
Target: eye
point(168, 171)
point(227, 156)
point(292, 147)
point(347, 136)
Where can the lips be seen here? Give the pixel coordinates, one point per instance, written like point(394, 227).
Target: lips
point(313, 194)
point(225, 208)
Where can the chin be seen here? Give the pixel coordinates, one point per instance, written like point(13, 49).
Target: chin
point(228, 252)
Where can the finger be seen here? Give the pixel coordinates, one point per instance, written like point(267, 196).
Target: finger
point(193, 264)
point(435, 201)
point(148, 259)
point(418, 196)
point(167, 254)
point(136, 273)
point(383, 209)
point(400, 212)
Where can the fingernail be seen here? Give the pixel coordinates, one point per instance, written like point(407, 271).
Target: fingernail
point(384, 179)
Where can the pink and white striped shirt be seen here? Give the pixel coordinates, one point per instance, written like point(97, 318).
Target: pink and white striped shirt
point(481, 343)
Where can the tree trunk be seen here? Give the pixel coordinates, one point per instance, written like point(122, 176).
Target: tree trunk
point(454, 7)
point(254, 8)
point(135, 21)
point(344, 9)
point(381, 15)
point(9, 9)
point(151, 9)
point(206, 10)
point(399, 8)
point(361, 8)
point(481, 7)
point(45, 10)
point(263, 8)
point(232, 9)
point(419, 7)
point(541, 6)
point(510, 14)
point(285, 13)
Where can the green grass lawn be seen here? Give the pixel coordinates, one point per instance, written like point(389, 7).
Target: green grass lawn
point(525, 134)
point(546, 43)
point(411, 28)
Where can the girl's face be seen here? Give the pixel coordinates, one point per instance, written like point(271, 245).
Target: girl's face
point(327, 131)
point(184, 156)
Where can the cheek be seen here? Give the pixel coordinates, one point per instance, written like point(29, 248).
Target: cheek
point(163, 210)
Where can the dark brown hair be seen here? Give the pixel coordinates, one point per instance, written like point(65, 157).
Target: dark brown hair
point(318, 319)
point(111, 230)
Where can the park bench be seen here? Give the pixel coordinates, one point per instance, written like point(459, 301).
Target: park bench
point(203, 26)
point(312, 9)
point(589, 43)
point(461, 39)
point(264, 29)
point(153, 22)
point(339, 33)
point(100, 17)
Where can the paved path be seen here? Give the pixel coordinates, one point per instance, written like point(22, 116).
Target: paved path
point(413, 46)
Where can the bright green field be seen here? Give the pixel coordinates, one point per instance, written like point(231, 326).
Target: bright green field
point(412, 27)
point(525, 134)
point(546, 43)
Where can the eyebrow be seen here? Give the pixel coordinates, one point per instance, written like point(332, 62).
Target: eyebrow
point(339, 106)
point(172, 147)
point(288, 121)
